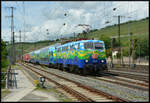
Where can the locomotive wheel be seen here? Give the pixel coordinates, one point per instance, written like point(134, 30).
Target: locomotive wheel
point(59, 66)
point(62, 66)
point(52, 65)
point(67, 69)
point(71, 68)
point(55, 66)
point(79, 71)
point(76, 70)
point(49, 65)
point(84, 71)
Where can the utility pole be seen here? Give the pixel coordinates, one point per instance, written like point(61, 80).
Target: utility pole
point(20, 46)
point(111, 64)
point(12, 35)
point(119, 39)
point(61, 39)
point(139, 53)
point(130, 34)
point(119, 52)
point(74, 36)
point(14, 51)
point(24, 29)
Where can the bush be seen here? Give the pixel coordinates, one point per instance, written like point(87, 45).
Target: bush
point(142, 48)
point(4, 54)
point(106, 40)
point(125, 51)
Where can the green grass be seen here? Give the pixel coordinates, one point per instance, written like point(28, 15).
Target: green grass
point(4, 92)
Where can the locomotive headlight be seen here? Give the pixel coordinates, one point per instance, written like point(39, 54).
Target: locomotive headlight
point(86, 61)
point(102, 61)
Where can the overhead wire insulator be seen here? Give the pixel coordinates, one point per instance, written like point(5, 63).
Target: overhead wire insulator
point(65, 14)
point(114, 9)
point(107, 22)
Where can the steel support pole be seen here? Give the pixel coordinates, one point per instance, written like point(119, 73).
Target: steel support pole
point(119, 39)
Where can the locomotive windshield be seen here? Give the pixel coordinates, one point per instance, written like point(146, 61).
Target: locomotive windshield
point(93, 45)
point(99, 46)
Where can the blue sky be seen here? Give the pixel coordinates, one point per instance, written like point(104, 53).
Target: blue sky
point(40, 16)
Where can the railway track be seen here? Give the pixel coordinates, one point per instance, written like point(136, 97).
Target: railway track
point(126, 69)
point(123, 82)
point(80, 91)
point(132, 75)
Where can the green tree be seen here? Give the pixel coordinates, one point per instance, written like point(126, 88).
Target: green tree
point(107, 42)
point(144, 48)
point(4, 54)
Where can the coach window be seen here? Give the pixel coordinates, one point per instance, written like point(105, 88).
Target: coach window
point(72, 47)
point(62, 48)
point(51, 53)
point(67, 48)
point(78, 45)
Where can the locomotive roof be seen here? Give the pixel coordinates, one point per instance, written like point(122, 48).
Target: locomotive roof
point(82, 41)
point(50, 47)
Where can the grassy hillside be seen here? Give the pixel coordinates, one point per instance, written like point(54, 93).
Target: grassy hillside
point(140, 28)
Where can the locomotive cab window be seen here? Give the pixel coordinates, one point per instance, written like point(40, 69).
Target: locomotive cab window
point(88, 45)
point(99, 46)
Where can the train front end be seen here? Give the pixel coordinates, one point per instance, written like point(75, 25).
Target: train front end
point(95, 58)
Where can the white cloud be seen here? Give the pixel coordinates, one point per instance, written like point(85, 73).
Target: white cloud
point(93, 13)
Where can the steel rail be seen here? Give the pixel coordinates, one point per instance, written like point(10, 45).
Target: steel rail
point(101, 93)
point(124, 84)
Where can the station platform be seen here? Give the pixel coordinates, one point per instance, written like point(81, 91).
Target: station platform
point(25, 91)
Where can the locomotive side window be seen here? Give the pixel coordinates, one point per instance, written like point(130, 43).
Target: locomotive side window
point(59, 49)
point(62, 48)
point(66, 48)
point(72, 47)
